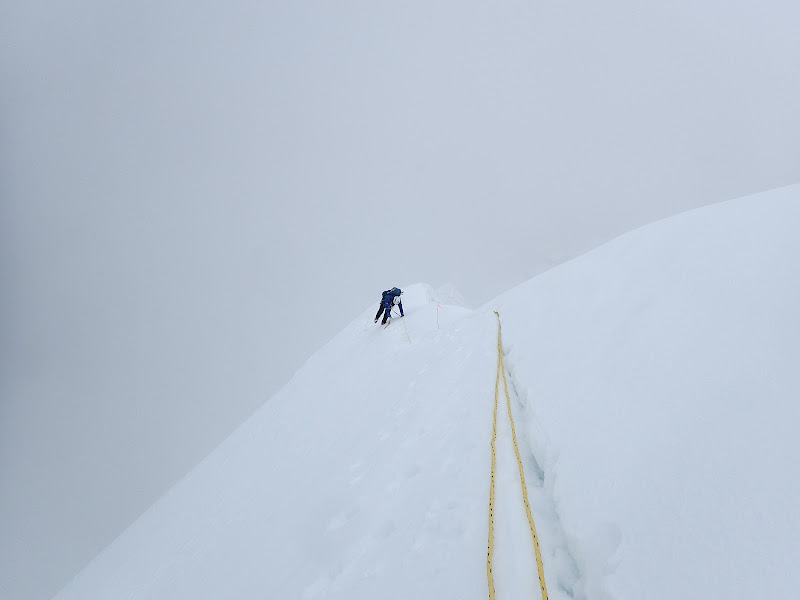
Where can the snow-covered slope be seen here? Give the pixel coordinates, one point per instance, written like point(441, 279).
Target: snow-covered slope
point(662, 373)
point(654, 388)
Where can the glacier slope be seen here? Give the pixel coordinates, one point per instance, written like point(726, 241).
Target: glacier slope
point(654, 386)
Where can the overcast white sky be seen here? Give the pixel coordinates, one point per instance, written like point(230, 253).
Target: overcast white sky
point(196, 196)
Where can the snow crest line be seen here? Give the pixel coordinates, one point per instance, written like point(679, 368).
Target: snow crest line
point(501, 367)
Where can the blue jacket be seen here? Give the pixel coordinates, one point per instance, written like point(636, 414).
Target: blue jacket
point(388, 299)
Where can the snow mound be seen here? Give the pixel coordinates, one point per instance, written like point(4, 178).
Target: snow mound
point(448, 294)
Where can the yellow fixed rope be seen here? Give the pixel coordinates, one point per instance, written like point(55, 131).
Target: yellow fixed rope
point(406, 326)
point(490, 552)
point(502, 368)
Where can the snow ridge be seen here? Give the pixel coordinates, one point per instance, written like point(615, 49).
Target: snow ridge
point(654, 385)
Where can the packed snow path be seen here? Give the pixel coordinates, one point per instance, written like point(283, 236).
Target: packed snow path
point(515, 563)
point(501, 369)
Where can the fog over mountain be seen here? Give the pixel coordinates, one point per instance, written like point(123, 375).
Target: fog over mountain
point(194, 198)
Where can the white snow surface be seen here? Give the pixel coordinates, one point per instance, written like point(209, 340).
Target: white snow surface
point(654, 385)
